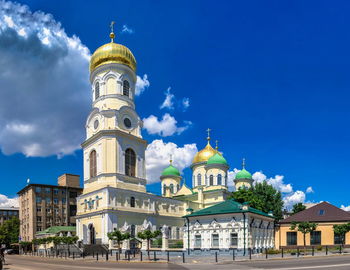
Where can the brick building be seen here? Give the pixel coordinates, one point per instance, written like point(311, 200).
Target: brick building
point(42, 206)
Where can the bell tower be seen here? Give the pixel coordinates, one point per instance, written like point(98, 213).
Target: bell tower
point(114, 151)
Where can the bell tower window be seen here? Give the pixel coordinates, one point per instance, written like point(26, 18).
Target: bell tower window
point(219, 179)
point(130, 162)
point(126, 88)
point(211, 180)
point(97, 90)
point(199, 179)
point(92, 164)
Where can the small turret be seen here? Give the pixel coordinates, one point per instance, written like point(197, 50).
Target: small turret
point(171, 180)
point(243, 178)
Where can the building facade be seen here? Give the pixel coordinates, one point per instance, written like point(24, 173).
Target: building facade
point(42, 206)
point(114, 195)
point(325, 215)
point(7, 213)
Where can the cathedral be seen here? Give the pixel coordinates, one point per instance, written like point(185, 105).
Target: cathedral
point(115, 196)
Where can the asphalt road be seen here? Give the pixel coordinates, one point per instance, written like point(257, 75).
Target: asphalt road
point(15, 262)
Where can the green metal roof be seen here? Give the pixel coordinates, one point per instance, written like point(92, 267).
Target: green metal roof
point(58, 229)
point(243, 174)
point(226, 207)
point(217, 159)
point(171, 170)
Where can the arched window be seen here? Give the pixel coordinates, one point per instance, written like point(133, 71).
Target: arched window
point(219, 179)
point(130, 162)
point(126, 88)
point(132, 202)
point(92, 159)
point(211, 180)
point(199, 179)
point(177, 188)
point(97, 90)
point(164, 188)
point(171, 188)
point(132, 231)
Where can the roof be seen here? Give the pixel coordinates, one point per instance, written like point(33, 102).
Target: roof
point(217, 159)
point(243, 174)
point(322, 212)
point(170, 170)
point(227, 207)
point(11, 208)
point(50, 186)
point(58, 229)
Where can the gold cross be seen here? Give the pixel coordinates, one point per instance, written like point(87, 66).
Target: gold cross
point(208, 130)
point(112, 26)
point(216, 147)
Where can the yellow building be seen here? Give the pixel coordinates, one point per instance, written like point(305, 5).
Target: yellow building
point(324, 215)
point(114, 195)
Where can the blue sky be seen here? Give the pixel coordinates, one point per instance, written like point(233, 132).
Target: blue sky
point(269, 78)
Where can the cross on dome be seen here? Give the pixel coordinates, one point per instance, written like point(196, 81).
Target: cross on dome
point(112, 35)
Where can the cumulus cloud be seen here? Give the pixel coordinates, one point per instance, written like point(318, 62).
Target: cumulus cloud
point(277, 182)
point(309, 190)
point(45, 92)
point(345, 208)
point(168, 102)
point(158, 155)
point(141, 84)
point(127, 29)
point(8, 202)
point(293, 198)
point(167, 126)
point(185, 103)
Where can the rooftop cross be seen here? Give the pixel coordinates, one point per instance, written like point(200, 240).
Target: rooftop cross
point(243, 163)
point(208, 130)
point(171, 160)
point(216, 147)
point(112, 35)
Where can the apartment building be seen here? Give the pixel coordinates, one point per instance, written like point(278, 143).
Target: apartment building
point(7, 213)
point(42, 206)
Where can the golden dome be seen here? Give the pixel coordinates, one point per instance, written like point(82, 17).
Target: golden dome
point(112, 53)
point(204, 154)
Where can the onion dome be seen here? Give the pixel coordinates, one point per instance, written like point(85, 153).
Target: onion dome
point(243, 174)
point(171, 170)
point(112, 53)
point(205, 154)
point(217, 159)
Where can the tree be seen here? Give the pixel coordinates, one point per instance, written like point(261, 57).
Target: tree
point(118, 236)
point(298, 207)
point(304, 227)
point(341, 230)
point(9, 231)
point(148, 235)
point(261, 196)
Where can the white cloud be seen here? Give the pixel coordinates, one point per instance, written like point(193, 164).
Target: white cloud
point(293, 198)
point(167, 126)
point(8, 202)
point(309, 190)
point(276, 182)
point(141, 84)
point(158, 155)
point(44, 83)
point(345, 208)
point(168, 102)
point(185, 103)
point(230, 177)
point(127, 29)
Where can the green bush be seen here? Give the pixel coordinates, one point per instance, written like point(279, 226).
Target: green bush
point(273, 251)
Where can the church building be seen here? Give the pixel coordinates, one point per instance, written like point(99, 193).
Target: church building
point(115, 196)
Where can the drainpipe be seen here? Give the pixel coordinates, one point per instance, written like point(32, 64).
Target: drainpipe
point(243, 234)
point(188, 236)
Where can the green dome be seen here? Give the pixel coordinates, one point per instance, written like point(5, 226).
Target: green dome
point(171, 170)
point(243, 174)
point(217, 159)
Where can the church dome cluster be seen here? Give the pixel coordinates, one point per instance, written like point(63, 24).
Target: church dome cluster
point(112, 53)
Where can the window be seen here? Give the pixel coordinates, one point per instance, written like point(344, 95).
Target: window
point(215, 240)
point(219, 179)
point(199, 179)
point(63, 192)
point(164, 188)
point(48, 200)
point(321, 212)
point(38, 199)
point(132, 231)
point(92, 163)
point(197, 241)
point(132, 202)
point(171, 188)
point(38, 219)
point(55, 201)
point(234, 239)
point(38, 189)
point(126, 88)
point(127, 123)
point(55, 191)
point(130, 162)
point(211, 180)
point(177, 188)
point(73, 194)
point(315, 238)
point(97, 90)
point(38, 229)
point(291, 238)
point(338, 239)
point(38, 209)
point(177, 233)
point(64, 200)
point(48, 190)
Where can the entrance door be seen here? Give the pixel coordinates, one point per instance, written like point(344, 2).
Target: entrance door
point(92, 234)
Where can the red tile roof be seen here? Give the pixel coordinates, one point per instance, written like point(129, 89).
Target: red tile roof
point(322, 212)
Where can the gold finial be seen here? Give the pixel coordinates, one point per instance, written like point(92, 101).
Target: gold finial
point(216, 147)
point(112, 35)
point(171, 160)
point(208, 138)
point(243, 163)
